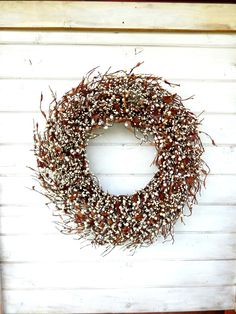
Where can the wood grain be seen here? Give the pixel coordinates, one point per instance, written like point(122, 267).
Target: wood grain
point(209, 96)
point(61, 248)
point(221, 127)
point(117, 15)
point(130, 158)
point(47, 272)
point(117, 184)
point(104, 38)
point(44, 62)
point(65, 275)
point(205, 218)
point(127, 300)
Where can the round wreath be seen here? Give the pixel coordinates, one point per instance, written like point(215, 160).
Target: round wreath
point(141, 103)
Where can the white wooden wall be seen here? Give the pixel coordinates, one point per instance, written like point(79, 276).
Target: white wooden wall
point(46, 272)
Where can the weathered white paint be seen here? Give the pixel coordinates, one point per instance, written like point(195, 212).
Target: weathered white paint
point(223, 128)
point(212, 96)
point(128, 161)
point(126, 300)
point(61, 248)
point(198, 271)
point(95, 37)
point(159, 274)
point(84, 15)
point(220, 190)
point(38, 61)
point(15, 220)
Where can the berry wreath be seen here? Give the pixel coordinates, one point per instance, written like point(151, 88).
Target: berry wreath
point(141, 103)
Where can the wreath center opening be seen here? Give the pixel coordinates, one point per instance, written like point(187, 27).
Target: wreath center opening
point(120, 163)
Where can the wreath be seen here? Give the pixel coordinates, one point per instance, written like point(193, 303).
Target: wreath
point(140, 102)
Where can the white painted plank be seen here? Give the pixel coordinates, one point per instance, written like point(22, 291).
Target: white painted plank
point(137, 159)
point(65, 61)
point(212, 97)
point(119, 300)
point(63, 248)
point(20, 220)
point(205, 65)
point(221, 127)
point(210, 219)
point(26, 224)
point(117, 15)
point(220, 189)
point(103, 159)
point(128, 274)
point(1, 294)
point(37, 37)
point(23, 210)
point(26, 96)
point(16, 191)
point(115, 159)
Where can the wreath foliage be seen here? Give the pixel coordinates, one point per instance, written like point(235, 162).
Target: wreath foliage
point(142, 104)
